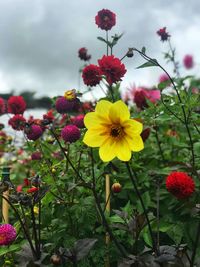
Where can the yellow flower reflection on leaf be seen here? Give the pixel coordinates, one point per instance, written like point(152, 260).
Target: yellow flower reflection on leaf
point(111, 129)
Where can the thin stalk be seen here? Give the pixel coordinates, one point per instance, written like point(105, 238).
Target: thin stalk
point(143, 206)
point(196, 242)
point(159, 144)
point(107, 43)
point(158, 214)
point(37, 245)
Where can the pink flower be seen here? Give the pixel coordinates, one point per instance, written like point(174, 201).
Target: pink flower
point(70, 133)
point(163, 78)
point(7, 234)
point(16, 105)
point(34, 132)
point(188, 61)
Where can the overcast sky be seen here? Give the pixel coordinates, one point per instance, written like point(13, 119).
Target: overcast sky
point(39, 39)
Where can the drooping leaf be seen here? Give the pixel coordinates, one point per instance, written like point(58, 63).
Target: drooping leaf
point(83, 246)
point(149, 64)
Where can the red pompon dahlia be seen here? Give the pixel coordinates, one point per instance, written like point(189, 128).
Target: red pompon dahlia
point(91, 75)
point(163, 34)
point(70, 133)
point(180, 184)
point(7, 234)
point(63, 105)
point(188, 62)
point(112, 68)
point(16, 105)
point(34, 132)
point(49, 116)
point(105, 19)
point(78, 121)
point(83, 55)
point(2, 106)
point(17, 122)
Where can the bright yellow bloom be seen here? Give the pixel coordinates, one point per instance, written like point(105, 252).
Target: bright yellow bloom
point(111, 129)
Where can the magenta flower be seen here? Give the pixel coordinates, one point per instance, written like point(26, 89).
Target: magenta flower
point(188, 61)
point(7, 234)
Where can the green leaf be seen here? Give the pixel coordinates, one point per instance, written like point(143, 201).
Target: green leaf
point(148, 64)
point(9, 249)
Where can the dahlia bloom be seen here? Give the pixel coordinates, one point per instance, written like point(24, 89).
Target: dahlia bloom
point(111, 129)
point(180, 184)
point(17, 122)
point(83, 55)
point(7, 234)
point(163, 34)
point(188, 61)
point(34, 132)
point(105, 19)
point(36, 155)
point(16, 105)
point(91, 75)
point(163, 78)
point(139, 95)
point(67, 103)
point(2, 106)
point(112, 68)
point(79, 121)
point(70, 133)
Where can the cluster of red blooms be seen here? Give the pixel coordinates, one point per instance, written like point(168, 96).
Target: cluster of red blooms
point(180, 184)
point(109, 66)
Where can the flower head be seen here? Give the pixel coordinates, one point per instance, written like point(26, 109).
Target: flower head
point(83, 55)
point(180, 184)
point(105, 19)
point(188, 61)
point(78, 121)
point(64, 105)
point(70, 133)
point(34, 132)
point(36, 155)
point(91, 75)
point(112, 68)
point(111, 129)
point(17, 122)
point(163, 78)
point(16, 105)
point(2, 106)
point(163, 34)
point(7, 234)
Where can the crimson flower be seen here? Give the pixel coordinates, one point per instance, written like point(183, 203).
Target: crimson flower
point(7, 234)
point(91, 75)
point(16, 105)
point(188, 61)
point(105, 19)
point(180, 184)
point(17, 122)
point(34, 132)
point(2, 106)
point(83, 55)
point(112, 68)
point(70, 133)
point(163, 34)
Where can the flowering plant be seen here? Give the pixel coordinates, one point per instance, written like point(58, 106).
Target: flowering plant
point(143, 143)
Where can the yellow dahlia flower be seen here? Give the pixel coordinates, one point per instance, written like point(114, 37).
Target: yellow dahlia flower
point(111, 129)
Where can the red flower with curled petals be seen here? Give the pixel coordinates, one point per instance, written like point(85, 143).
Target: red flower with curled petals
point(105, 19)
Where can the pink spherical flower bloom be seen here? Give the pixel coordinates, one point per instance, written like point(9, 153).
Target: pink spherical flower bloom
point(7, 234)
point(34, 132)
point(83, 55)
point(112, 68)
point(188, 61)
point(180, 184)
point(163, 78)
point(70, 133)
point(16, 105)
point(2, 106)
point(17, 122)
point(105, 19)
point(91, 75)
point(36, 155)
point(163, 34)
point(79, 121)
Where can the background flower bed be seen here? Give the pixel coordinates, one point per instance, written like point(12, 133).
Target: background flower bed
point(59, 207)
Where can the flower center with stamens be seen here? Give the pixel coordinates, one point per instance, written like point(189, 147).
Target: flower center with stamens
point(116, 131)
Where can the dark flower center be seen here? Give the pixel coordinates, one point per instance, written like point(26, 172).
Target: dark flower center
point(116, 131)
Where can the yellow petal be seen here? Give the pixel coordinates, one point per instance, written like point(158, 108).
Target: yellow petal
point(119, 112)
point(92, 120)
point(132, 127)
point(123, 150)
point(102, 108)
point(135, 143)
point(94, 138)
point(107, 151)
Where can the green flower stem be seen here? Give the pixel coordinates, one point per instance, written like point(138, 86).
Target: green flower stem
point(185, 120)
point(107, 43)
point(103, 218)
point(37, 245)
point(195, 246)
point(143, 206)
